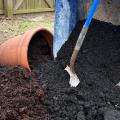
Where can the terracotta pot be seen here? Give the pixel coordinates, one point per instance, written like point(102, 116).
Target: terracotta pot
point(15, 51)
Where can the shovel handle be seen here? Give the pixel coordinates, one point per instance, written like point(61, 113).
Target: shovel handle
point(77, 48)
point(91, 13)
point(82, 35)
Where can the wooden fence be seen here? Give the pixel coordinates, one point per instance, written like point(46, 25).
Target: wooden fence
point(12, 7)
point(1, 7)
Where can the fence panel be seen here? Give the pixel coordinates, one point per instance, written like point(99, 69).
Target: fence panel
point(1, 7)
point(28, 6)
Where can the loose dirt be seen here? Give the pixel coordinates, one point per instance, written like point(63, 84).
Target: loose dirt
point(98, 67)
point(21, 95)
point(39, 51)
point(96, 97)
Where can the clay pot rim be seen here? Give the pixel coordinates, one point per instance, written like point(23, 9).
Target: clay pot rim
point(30, 36)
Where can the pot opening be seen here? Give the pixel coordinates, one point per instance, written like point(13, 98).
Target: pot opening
point(39, 51)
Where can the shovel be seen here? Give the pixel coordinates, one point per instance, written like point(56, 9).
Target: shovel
point(74, 80)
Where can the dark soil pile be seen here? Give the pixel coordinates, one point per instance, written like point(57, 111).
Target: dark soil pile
point(96, 97)
point(21, 95)
point(98, 67)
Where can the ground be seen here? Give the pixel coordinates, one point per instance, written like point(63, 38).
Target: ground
point(19, 24)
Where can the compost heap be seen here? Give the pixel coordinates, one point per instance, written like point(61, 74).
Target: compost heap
point(98, 66)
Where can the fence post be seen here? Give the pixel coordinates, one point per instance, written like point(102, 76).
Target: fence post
point(8, 5)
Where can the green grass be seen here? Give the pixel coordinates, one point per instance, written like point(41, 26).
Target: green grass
point(23, 25)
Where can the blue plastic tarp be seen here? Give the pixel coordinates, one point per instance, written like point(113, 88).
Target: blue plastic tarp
point(66, 16)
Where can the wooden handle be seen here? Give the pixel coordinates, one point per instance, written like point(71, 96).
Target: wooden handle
point(77, 48)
